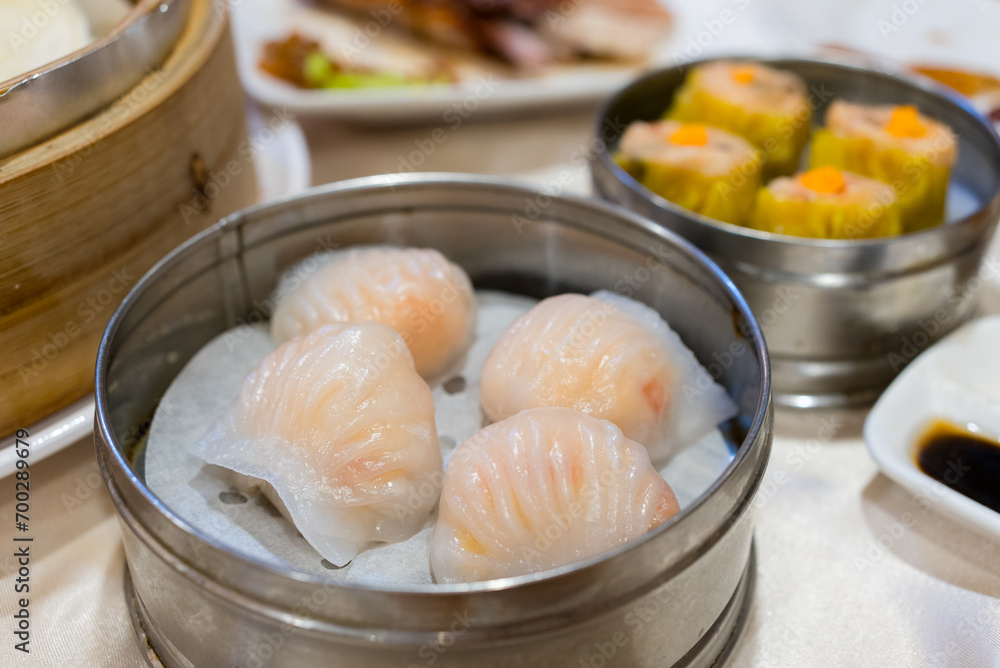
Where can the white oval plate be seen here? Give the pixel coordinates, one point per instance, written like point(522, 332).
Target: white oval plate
point(283, 168)
point(957, 380)
point(482, 89)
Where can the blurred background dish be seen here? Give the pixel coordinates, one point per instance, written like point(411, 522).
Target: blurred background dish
point(983, 90)
point(362, 61)
point(72, 60)
point(61, 34)
point(87, 211)
point(903, 32)
point(953, 42)
point(282, 168)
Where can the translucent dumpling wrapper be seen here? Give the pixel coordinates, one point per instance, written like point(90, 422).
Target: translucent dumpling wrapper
point(337, 429)
point(611, 357)
point(31, 41)
point(416, 291)
point(545, 488)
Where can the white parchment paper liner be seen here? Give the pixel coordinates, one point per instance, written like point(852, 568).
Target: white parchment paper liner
point(204, 495)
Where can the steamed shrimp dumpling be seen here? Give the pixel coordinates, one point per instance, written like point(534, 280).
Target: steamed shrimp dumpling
point(415, 291)
point(610, 357)
point(337, 429)
point(545, 488)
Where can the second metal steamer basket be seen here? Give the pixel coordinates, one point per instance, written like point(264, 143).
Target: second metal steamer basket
point(676, 597)
point(841, 317)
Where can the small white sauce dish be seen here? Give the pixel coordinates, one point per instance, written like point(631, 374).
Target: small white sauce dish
point(958, 381)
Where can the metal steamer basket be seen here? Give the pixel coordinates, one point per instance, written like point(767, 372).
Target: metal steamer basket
point(676, 597)
point(841, 317)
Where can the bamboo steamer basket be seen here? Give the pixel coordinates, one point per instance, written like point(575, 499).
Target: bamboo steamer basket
point(84, 214)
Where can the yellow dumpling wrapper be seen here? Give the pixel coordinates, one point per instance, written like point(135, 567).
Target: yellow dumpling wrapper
point(703, 169)
point(896, 145)
point(826, 203)
point(769, 108)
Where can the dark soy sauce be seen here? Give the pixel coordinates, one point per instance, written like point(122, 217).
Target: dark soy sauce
point(963, 460)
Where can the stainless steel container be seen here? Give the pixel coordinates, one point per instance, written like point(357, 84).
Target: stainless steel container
point(841, 317)
point(676, 597)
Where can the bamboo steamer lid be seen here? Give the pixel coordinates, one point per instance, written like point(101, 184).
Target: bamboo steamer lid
point(86, 213)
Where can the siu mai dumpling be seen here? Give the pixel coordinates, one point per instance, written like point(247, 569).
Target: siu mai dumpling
point(415, 291)
point(827, 203)
point(768, 107)
point(545, 488)
point(610, 357)
point(337, 429)
point(705, 170)
point(911, 152)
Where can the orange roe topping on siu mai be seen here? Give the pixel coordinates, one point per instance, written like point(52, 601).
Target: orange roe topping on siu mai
point(825, 180)
point(743, 74)
point(690, 134)
point(905, 123)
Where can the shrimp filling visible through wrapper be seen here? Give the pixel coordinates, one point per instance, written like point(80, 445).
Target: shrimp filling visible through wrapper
point(337, 429)
point(611, 357)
